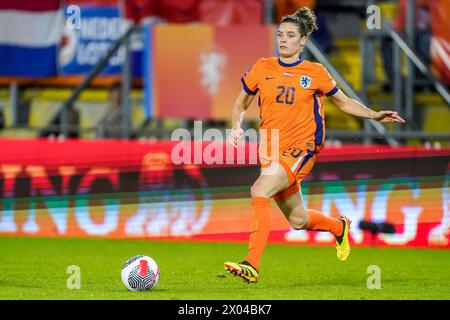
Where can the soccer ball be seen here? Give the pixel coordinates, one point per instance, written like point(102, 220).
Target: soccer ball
point(140, 273)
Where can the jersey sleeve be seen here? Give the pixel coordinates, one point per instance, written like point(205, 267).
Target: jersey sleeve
point(251, 79)
point(327, 85)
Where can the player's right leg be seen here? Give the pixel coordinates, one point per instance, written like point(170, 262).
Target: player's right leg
point(244, 270)
point(261, 191)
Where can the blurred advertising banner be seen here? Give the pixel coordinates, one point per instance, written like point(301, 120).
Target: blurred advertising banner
point(128, 189)
point(30, 33)
point(440, 41)
point(194, 70)
point(86, 40)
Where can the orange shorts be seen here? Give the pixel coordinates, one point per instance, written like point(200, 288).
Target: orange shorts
point(297, 163)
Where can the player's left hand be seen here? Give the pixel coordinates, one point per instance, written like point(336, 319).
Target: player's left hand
point(388, 116)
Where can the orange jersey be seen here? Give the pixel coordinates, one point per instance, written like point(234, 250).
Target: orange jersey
point(291, 100)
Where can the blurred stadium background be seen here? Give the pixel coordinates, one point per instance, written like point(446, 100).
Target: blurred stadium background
point(92, 90)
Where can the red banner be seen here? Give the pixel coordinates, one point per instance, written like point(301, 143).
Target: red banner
point(128, 189)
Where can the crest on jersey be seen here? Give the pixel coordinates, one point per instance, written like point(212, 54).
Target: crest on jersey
point(305, 81)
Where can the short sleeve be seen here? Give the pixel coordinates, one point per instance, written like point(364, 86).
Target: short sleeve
point(327, 85)
point(250, 80)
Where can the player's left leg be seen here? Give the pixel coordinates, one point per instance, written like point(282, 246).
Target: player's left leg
point(290, 202)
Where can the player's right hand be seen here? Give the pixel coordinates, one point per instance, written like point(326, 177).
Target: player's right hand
point(235, 136)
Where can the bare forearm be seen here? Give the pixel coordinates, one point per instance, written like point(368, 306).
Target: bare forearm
point(238, 115)
point(357, 109)
point(240, 106)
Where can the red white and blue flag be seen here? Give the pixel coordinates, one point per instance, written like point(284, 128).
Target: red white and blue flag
point(30, 33)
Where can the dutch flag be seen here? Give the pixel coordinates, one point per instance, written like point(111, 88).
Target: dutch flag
point(30, 34)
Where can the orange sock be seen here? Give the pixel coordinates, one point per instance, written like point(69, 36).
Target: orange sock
point(260, 230)
point(317, 221)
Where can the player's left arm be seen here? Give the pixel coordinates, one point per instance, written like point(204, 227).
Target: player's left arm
point(353, 107)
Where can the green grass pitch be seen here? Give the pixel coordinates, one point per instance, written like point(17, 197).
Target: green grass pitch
point(36, 268)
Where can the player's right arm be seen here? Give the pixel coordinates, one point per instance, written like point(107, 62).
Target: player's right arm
point(250, 86)
point(240, 106)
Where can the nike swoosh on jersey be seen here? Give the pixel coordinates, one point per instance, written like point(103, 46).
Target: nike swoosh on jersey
point(270, 78)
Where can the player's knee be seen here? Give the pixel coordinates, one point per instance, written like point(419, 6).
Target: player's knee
point(299, 221)
point(298, 224)
point(258, 190)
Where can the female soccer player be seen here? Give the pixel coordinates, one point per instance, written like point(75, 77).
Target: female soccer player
point(291, 93)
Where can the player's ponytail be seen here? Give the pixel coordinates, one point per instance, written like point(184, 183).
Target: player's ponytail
point(305, 19)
